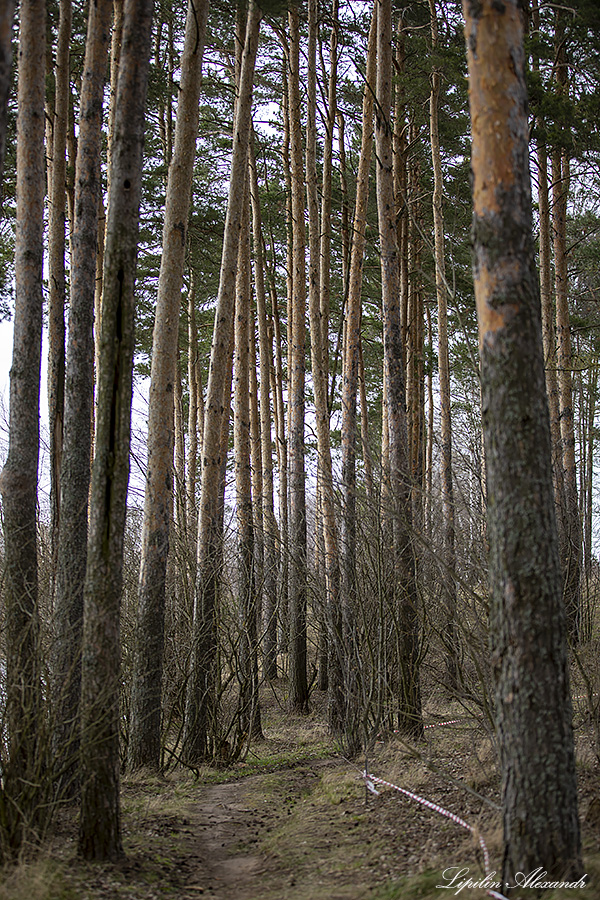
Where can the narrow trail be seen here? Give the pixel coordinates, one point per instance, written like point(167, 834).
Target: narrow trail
point(230, 828)
point(224, 838)
point(305, 828)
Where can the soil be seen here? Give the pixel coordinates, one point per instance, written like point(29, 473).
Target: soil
point(303, 833)
point(305, 828)
point(307, 831)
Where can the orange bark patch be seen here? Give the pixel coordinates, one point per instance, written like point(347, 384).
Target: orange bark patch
point(493, 37)
point(492, 318)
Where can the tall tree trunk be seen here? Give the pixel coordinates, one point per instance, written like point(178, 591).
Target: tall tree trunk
point(100, 825)
point(178, 484)
point(412, 318)
point(429, 447)
point(527, 620)
point(401, 167)
point(249, 709)
point(18, 482)
point(284, 617)
point(342, 703)
point(548, 317)
point(298, 696)
point(364, 427)
point(343, 660)
point(590, 438)
point(200, 696)
point(115, 55)
point(195, 417)
point(409, 699)
point(256, 463)
point(589, 399)
point(345, 213)
point(282, 447)
point(322, 240)
point(564, 359)
point(587, 395)
point(265, 350)
point(450, 635)
point(326, 191)
point(144, 739)
point(56, 269)
point(79, 391)
point(549, 342)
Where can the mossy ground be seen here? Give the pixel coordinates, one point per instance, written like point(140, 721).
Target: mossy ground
point(293, 821)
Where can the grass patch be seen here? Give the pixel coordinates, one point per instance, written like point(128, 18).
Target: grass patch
point(40, 879)
point(297, 813)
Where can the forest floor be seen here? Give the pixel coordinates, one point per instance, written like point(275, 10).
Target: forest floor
point(294, 822)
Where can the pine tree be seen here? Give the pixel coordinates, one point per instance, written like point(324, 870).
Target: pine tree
point(100, 823)
point(20, 473)
point(527, 620)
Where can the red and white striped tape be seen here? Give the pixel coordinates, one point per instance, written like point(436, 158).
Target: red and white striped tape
point(433, 725)
point(372, 780)
point(449, 722)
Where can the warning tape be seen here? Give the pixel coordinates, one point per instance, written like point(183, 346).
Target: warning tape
point(431, 725)
point(449, 722)
point(371, 780)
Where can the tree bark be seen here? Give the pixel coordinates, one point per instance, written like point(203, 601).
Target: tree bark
point(79, 392)
point(115, 55)
point(364, 428)
point(450, 635)
point(527, 619)
point(564, 359)
point(256, 464)
point(285, 498)
point(56, 269)
point(344, 693)
point(401, 167)
point(345, 220)
point(200, 696)
point(410, 719)
point(18, 482)
point(298, 697)
point(144, 740)
point(548, 319)
point(100, 825)
point(265, 350)
point(249, 707)
point(281, 448)
point(195, 427)
point(179, 512)
point(326, 190)
point(549, 342)
point(342, 664)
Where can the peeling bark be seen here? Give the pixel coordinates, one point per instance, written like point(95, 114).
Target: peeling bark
point(527, 620)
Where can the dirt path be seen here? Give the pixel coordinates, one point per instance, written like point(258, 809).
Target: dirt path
point(225, 842)
point(307, 833)
point(302, 832)
point(237, 827)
